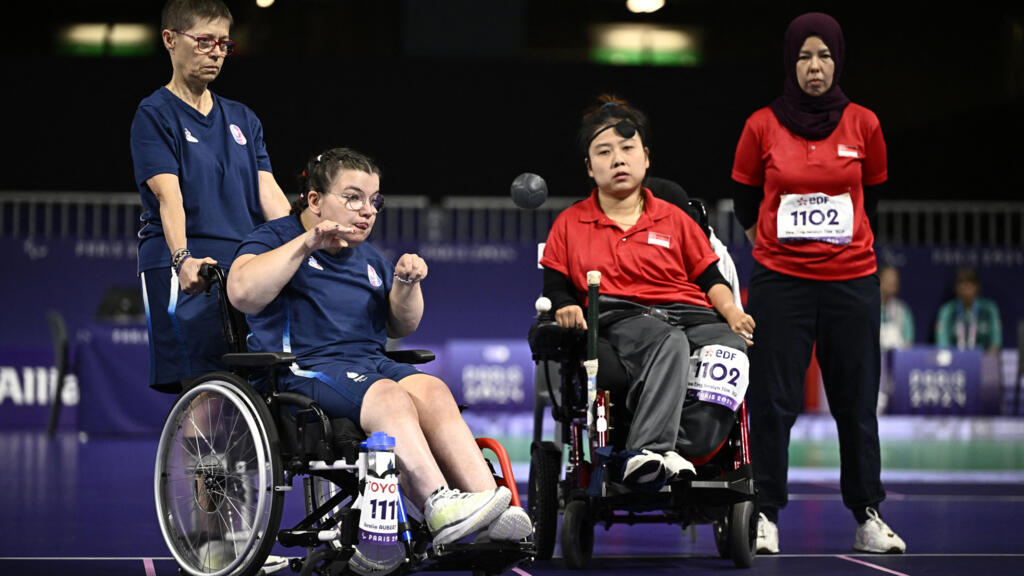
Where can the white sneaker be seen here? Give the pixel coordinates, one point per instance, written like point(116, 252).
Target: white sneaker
point(512, 525)
point(767, 536)
point(451, 514)
point(876, 537)
point(677, 466)
point(643, 469)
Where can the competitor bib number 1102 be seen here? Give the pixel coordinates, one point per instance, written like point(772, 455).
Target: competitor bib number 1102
point(815, 217)
point(720, 375)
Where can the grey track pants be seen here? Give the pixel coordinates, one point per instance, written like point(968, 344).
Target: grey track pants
point(656, 356)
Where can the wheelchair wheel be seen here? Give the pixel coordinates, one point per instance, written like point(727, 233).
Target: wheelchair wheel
point(577, 535)
point(545, 464)
point(217, 467)
point(743, 533)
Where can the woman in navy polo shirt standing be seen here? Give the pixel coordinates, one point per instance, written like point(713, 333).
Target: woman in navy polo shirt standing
point(205, 180)
point(808, 170)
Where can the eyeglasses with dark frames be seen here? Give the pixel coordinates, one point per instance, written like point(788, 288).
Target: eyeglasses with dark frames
point(206, 44)
point(355, 202)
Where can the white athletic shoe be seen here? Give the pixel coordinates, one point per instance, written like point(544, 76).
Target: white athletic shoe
point(452, 514)
point(876, 537)
point(512, 525)
point(767, 536)
point(644, 469)
point(677, 466)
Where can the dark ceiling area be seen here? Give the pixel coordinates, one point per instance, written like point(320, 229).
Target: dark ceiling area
point(456, 97)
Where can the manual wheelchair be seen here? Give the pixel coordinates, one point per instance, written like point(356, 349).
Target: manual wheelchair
point(591, 430)
point(228, 454)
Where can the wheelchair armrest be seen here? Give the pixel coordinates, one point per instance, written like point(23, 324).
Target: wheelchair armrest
point(258, 359)
point(410, 356)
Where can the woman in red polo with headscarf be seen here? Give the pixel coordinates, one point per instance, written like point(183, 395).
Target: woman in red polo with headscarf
point(808, 170)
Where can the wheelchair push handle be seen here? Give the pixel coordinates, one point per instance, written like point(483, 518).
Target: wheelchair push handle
point(212, 275)
point(232, 324)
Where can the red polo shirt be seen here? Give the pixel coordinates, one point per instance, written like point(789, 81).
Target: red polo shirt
point(654, 262)
point(770, 156)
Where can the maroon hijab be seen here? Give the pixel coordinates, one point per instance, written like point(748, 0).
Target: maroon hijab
point(811, 117)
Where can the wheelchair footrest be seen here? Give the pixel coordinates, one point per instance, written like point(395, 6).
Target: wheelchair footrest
point(488, 557)
point(729, 488)
point(306, 538)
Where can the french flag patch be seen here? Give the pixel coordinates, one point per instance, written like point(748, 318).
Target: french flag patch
point(659, 239)
point(372, 276)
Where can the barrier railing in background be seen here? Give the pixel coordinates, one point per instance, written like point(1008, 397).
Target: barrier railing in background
point(491, 220)
point(68, 214)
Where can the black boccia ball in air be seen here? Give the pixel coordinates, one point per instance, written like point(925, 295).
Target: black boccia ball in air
point(529, 191)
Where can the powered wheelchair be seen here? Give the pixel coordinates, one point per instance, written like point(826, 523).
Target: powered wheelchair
point(228, 455)
point(592, 425)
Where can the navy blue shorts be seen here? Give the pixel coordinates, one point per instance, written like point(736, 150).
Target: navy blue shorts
point(186, 339)
point(339, 385)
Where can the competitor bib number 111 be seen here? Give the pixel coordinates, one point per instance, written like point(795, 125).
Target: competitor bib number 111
point(378, 519)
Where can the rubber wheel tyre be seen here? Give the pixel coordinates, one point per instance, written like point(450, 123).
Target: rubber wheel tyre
point(545, 469)
point(743, 534)
point(218, 467)
point(577, 535)
point(721, 531)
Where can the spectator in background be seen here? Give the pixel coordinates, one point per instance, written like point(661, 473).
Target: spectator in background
point(897, 321)
point(897, 329)
point(969, 321)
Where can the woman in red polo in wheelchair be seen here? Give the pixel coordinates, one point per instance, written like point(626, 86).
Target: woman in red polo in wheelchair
point(661, 292)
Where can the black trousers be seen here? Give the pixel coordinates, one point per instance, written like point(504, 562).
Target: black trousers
point(842, 318)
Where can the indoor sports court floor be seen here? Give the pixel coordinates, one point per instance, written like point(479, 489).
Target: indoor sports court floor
point(76, 506)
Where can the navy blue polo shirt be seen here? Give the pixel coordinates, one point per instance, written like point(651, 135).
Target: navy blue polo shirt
point(335, 306)
point(216, 158)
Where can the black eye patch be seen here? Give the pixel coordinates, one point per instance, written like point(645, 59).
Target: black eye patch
point(623, 128)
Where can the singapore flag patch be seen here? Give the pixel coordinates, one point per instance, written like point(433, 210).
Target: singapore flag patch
point(659, 239)
point(372, 275)
point(846, 151)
